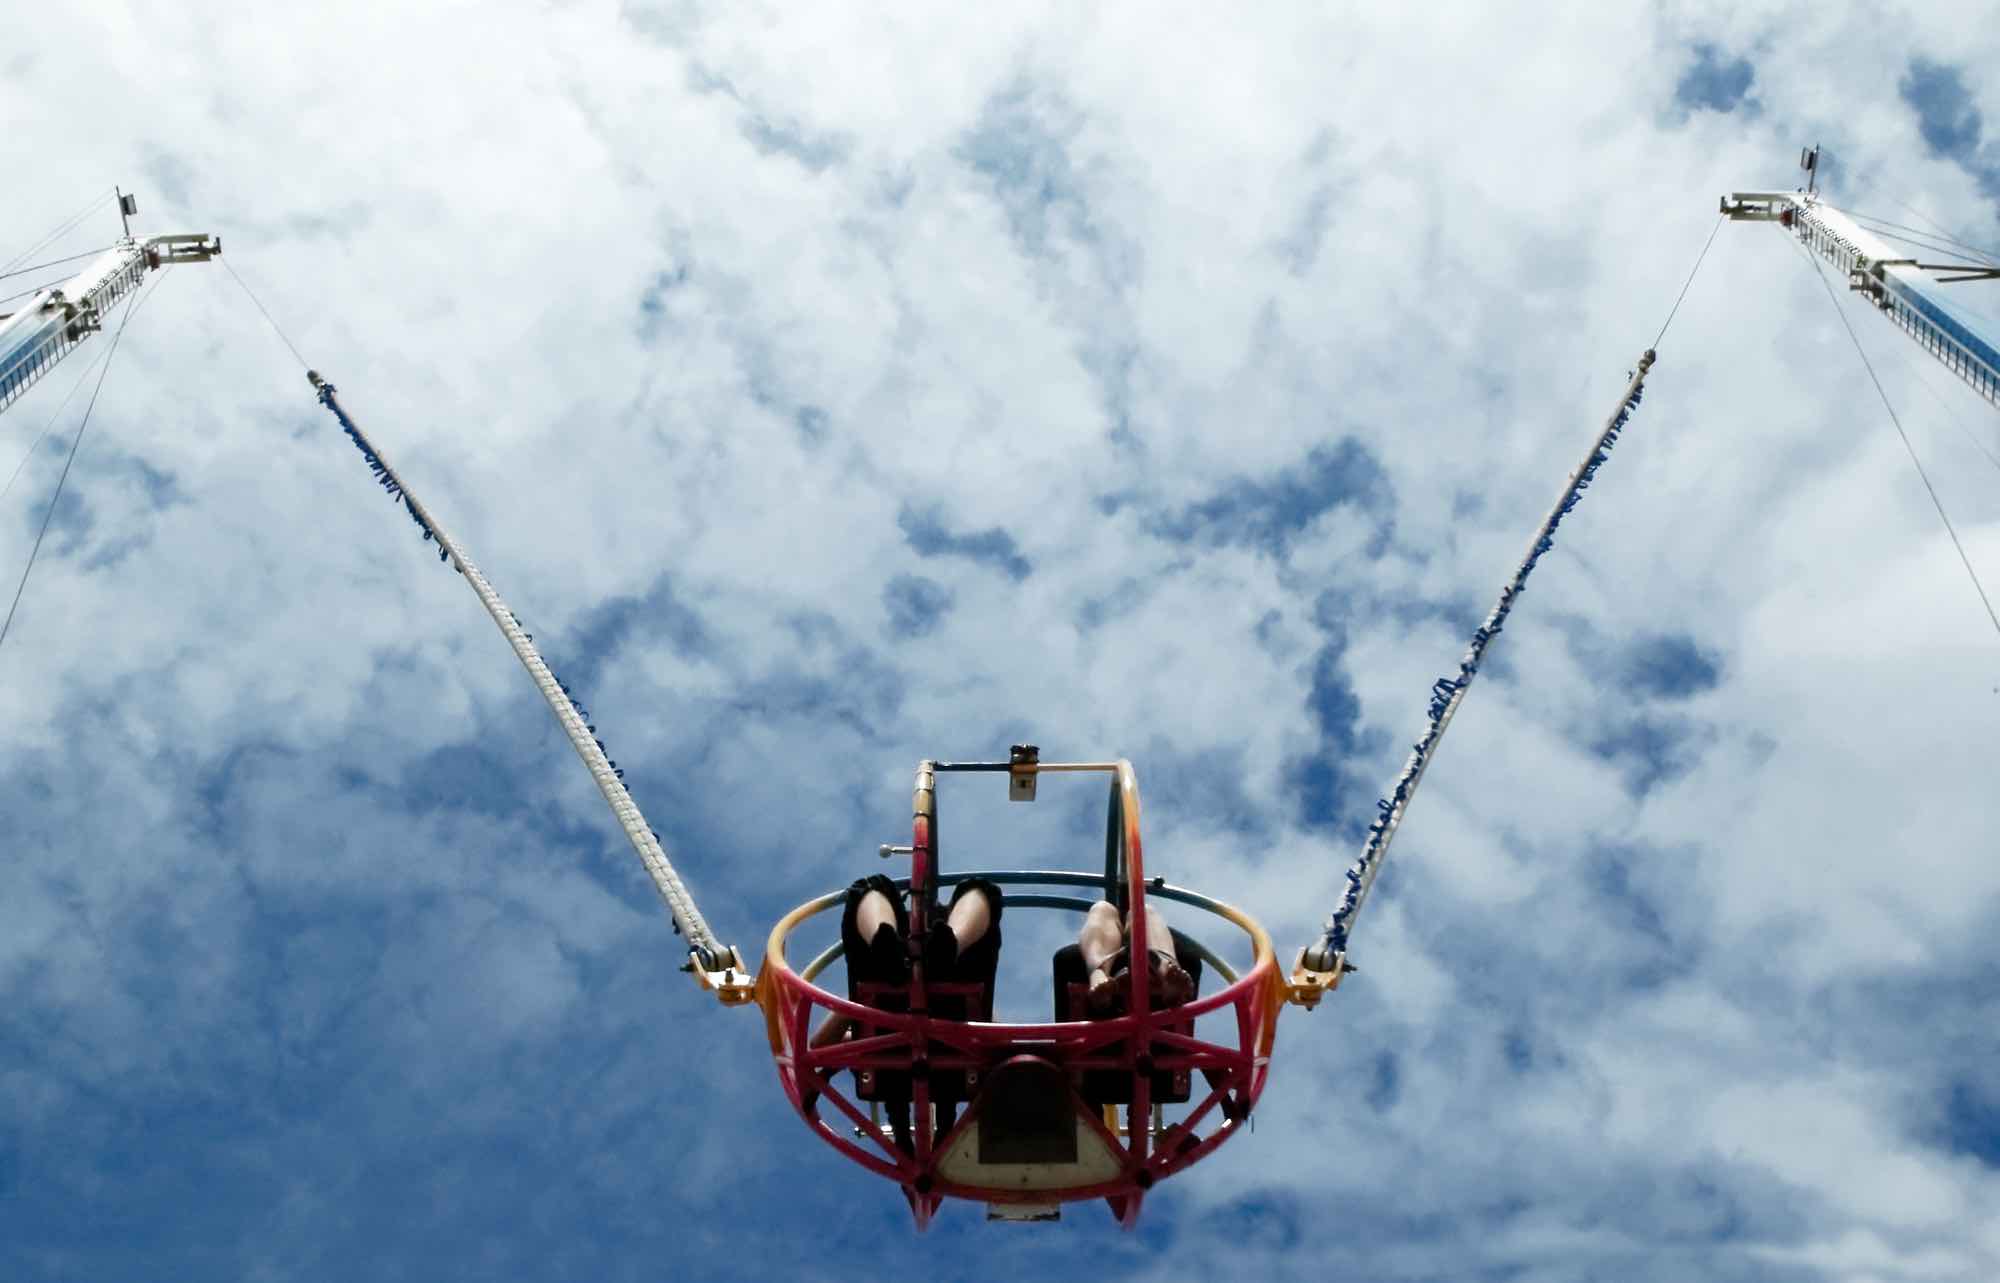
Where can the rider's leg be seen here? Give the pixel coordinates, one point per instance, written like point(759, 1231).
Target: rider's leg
point(968, 949)
point(969, 918)
point(875, 912)
point(1171, 984)
point(1102, 936)
point(1159, 939)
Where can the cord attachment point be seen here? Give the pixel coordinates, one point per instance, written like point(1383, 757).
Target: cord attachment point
point(182, 247)
point(724, 976)
point(1023, 761)
point(1308, 984)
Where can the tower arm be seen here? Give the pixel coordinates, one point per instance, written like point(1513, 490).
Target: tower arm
point(55, 320)
point(1894, 282)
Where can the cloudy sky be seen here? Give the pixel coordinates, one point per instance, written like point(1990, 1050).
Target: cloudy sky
point(828, 387)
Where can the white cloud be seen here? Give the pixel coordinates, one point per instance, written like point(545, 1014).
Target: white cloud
point(672, 313)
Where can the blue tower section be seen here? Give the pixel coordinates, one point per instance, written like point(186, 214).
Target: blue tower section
point(1905, 290)
point(1949, 336)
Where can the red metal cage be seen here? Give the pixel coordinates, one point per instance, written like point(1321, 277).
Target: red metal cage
point(1041, 1123)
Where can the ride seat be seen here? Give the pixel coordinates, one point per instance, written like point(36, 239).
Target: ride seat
point(1102, 1087)
point(947, 1000)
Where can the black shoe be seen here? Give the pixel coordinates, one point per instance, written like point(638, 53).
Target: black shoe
point(887, 955)
point(940, 952)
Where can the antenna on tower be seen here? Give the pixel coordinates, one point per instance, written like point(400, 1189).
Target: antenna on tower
point(1809, 161)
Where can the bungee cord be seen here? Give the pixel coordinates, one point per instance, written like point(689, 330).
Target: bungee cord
point(1328, 955)
point(268, 318)
point(717, 963)
point(1674, 311)
point(710, 953)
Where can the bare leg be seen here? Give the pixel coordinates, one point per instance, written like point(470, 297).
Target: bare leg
point(969, 918)
point(875, 910)
point(1158, 938)
point(1100, 940)
point(870, 916)
point(1102, 935)
point(1171, 985)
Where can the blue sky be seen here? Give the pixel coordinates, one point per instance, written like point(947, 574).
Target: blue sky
point(827, 391)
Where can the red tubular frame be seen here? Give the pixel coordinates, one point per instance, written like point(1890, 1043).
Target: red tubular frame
point(907, 1041)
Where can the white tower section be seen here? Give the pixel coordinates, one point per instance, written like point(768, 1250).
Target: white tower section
point(1888, 278)
point(55, 320)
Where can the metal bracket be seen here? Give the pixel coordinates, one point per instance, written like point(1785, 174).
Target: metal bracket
point(1023, 761)
point(1306, 986)
point(1759, 206)
point(731, 983)
point(181, 247)
point(1966, 272)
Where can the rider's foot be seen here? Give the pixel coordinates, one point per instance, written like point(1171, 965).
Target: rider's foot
point(890, 958)
point(1172, 985)
point(1107, 993)
point(940, 952)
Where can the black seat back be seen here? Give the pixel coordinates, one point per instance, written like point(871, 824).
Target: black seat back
point(1110, 1086)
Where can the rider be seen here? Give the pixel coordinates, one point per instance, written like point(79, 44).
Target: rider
point(1105, 942)
point(964, 947)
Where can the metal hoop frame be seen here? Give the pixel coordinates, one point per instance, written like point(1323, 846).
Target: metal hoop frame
point(1139, 1043)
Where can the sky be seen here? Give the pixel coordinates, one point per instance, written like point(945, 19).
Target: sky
point(832, 387)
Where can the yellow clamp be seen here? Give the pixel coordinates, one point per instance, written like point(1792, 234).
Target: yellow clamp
point(732, 983)
point(1307, 986)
